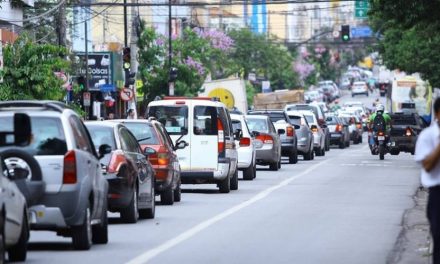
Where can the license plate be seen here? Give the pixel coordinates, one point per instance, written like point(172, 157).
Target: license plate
point(380, 138)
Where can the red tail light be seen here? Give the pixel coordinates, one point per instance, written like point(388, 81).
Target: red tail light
point(69, 174)
point(338, 128)
point(221, 137)
point(266, 139)
point(290, 131)
point(245, 142)
point(408, 132)
point(161, 157)
point(115, 161)
point(380, 133)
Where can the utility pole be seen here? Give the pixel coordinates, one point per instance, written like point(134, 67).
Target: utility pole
point(170, 53)
point(104, 28)
point(125, 25)
point(134, 51)
point(61, 25)
point(88, 112)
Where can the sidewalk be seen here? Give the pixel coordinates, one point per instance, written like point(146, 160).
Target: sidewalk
point(413, 244)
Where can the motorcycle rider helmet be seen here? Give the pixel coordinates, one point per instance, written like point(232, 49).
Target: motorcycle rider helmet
point(380, 108)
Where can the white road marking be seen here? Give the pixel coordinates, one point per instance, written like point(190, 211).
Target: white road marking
point(150, 254)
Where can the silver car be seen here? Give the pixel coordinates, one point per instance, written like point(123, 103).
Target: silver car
point(304, 134)
point(74, 201)
point(270, 151)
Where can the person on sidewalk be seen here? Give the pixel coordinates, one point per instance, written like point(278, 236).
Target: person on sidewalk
point(428, 155)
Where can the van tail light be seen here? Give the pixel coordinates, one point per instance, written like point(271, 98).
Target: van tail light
point(338, 128)
point(359, 126)
point(290, 132)
point(245, 142)
point(115, 162)
point(266, 139)
point(408, 132)
point(69, 173)
point(221, 136)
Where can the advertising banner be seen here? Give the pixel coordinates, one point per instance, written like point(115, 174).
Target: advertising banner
point(100, 71)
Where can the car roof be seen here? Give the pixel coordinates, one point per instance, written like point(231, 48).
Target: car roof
point(257, 117)
point(194, 101)
point(101, 123)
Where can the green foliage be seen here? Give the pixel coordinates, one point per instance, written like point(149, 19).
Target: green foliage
point(250, 93)
point(410, 40)
point(28, 71)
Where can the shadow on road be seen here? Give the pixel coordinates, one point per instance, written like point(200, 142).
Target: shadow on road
point(204, 191)
point(52, 246)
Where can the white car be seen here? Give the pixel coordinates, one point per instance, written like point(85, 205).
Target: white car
point(359, 88)
point(246, 147)
point(318, 132)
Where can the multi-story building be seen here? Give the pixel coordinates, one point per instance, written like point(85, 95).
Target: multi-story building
point(11, 18)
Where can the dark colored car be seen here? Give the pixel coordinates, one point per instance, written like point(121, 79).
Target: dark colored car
point(165, 161)
point(339, 133)
point(405, 128)
point(289, 140)
point(127, 170)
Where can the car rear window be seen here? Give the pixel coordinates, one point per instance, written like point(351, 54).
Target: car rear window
point(257, 124)
point(47, 135)
point(296, 120)
point(403, 120)
point(173, 117)
point(331, 121)
point(309, 118)
point(274, 116)
point(145, 134)
point(101, 135)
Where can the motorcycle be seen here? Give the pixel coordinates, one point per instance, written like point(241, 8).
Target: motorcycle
point(378, 143)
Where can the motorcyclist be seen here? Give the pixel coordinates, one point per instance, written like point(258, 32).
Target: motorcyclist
point(380, 110)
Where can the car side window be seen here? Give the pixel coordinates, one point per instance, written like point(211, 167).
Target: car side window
point(79, 132)
point(224, 117)
point(272, 128)
point(127, 141)
point(162, 135)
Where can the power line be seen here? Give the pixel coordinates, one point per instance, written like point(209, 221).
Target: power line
point(37, 17)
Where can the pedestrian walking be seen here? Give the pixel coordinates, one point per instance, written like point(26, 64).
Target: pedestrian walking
point(428, 155)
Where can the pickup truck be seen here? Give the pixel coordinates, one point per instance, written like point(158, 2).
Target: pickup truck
point(405, 128)
point(285, 129)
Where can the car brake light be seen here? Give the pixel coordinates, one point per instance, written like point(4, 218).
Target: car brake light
point(69, 173)
point(180, 102)
point(359, 126)
point(290, 131)
point(266, 139)
point(338, 128)
point(161, 157)
point(115, 161)
point(408, 132)
point(221, 137)
point(245, 142)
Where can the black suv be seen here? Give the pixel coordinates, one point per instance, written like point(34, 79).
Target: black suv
point(405, 128)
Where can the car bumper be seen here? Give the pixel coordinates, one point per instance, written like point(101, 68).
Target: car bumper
point(335, 138)
point(287, 148)
point(207, 176)
point(245, 157)
point(266, 154)
point(163, 176)
point(120, 192)
point(403, 144)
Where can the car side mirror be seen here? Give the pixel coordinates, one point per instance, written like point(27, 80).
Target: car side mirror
point(238, 134)
point(103, 150)
point(149, 151)
point(181, 145)
point(323, 126)
point(281, 131)
point(18, 174)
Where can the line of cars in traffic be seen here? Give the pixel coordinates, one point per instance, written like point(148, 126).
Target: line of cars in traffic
point(68, 173)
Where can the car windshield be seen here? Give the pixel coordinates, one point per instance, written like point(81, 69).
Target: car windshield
point(403, 120)
point(257, 124)
point(309, 118)
point(47, 135)
point(274, 116)
point(144, 133)
point(174, 118)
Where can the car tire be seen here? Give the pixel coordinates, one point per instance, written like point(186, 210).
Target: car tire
point(82, 234)
point(149, 213)
point(234, 181)
point(273, 166)
point(347, 144)
point(293, 157)
point(178, 193)
point(327, 145)
point(224, 185)
point(308, 155)
point(18, 251)
point(356, 141)
point(167, 196)
point(312, 155)
point(323, 152)
point(342, 145)
point(360, 139)
point(249, 173)
point(130, 214)
point(100, 232)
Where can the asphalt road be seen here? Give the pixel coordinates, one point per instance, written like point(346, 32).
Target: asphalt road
point(345, 207)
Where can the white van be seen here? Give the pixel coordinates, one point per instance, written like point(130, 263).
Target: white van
point(201, 130)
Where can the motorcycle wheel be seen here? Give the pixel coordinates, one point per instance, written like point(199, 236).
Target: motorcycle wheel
point(381, 152)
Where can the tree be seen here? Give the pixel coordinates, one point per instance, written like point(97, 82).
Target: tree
point(29, 71)
point(409, 36)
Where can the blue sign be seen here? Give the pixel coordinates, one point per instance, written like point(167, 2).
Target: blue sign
point(361, 32)
point(107, 88)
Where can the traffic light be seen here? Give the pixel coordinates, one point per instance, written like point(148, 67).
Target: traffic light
point(130, 79)
point(126, 58)
point(345, 32)
point(81, 80)
point(173, 74)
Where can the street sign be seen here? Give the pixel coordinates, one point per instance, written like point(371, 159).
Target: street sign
point(86, 99)
point(265, 87)
point(126, 94)
point(361, 32)
point(361, 8)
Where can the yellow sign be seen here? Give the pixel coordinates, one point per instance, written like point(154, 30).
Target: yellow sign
point(224, 95)
point(139, 84)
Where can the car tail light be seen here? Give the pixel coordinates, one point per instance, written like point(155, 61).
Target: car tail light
point(266, 139)
point(221, 137)
point(408, 132)
point(161, 157)
point(290, 131)
point(359, 126)
point(245, 142)
point(338, 128)
point(69, 173)
point(115, 161)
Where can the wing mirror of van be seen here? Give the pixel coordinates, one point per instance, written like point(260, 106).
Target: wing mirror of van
point(103, 150)
point(238, 134)
point(281, 131)
point(181, 145)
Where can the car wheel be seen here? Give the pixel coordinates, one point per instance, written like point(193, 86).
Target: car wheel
point(312, 155)
point(293, 157)
point(224, 185)
point(327, 145)
point(360, 139)
point(273, 166)
point(347, 144)
point(100, 232)
point(234, 181)
point(356, 141)
point(323, 152)
point(178, 193)
point(342, 145)
point(149, 213)
point(249, 173)
point(19, 250)
point(131, 214)
point(167, 196)
point(308, 155)
point(255, 170)
point(82, 235)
